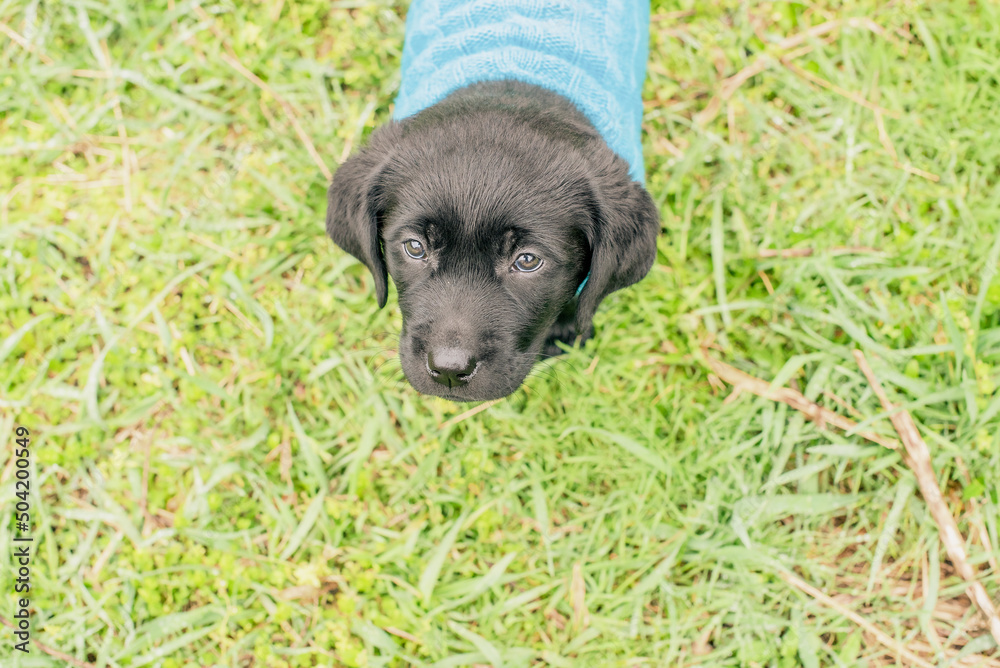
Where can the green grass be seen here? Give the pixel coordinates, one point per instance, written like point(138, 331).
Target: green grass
point(229, 470)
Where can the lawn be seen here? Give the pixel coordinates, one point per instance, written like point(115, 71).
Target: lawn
point(227, 467)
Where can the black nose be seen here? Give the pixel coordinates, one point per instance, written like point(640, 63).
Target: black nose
point(451, 366)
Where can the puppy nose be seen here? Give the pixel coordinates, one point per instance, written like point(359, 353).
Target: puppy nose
point(451, 366)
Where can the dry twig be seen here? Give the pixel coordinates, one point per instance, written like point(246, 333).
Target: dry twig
point(23, 43)
point(71, 660)
point(917, 458)
point(823, 83)
point(885, 639)
point(469, 413)
point(578, 598)
point(920, 464)
point(230, 57)
point(785, 253)
point(793, 47)
point(813, 411)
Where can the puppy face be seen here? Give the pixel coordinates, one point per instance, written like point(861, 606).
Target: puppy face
point(488, 225)
point(485, 258)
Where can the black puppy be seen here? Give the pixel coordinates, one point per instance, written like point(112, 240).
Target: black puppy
point(504, 219)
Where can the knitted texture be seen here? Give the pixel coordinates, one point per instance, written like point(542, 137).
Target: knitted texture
point(593, 52)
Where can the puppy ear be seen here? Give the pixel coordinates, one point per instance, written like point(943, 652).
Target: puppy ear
point(622, 238)
point(356, 204)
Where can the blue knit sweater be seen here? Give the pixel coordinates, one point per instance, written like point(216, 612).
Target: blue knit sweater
point(591, 51)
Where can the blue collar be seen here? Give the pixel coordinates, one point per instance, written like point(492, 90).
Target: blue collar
point(585, 279)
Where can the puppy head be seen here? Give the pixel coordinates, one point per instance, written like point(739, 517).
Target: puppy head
point(488, 231)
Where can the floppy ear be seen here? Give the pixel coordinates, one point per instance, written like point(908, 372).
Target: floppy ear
point(356, 203)
point(622, 241)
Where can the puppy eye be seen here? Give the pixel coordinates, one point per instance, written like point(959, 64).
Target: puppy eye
point(414, 249)
point(527, 262)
